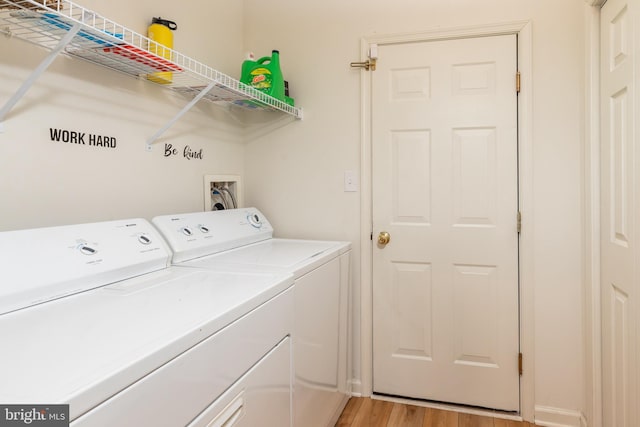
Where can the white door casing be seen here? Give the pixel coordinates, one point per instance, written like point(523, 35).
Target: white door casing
point(619, 214)
point(445, 185)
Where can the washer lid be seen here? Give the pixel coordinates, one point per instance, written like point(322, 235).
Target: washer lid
point(84, 348)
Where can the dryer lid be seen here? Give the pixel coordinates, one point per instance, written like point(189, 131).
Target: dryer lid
point(87, 347)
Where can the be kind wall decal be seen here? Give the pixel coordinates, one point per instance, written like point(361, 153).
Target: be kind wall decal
point(188, 152)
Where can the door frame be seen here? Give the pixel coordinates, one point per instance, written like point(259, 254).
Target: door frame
point(525, 159)
point(592, 297)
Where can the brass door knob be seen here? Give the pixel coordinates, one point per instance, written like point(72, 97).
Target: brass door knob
point(383, 238)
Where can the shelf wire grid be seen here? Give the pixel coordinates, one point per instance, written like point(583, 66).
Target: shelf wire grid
point(109, 44)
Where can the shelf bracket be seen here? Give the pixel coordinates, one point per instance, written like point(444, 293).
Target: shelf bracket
point(64, 41)
point(181, 113)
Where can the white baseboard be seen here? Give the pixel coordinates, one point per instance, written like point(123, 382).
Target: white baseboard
point(557, 417)
point(356, 388)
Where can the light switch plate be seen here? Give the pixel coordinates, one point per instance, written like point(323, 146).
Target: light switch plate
point(350, 181)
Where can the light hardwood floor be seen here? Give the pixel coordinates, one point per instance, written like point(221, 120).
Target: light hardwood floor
point(366, 412)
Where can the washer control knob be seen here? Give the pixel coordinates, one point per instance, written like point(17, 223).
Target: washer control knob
point(186, 231)
point(203, 229)
point(87, 250)
point(144, 239)
point(254, 220)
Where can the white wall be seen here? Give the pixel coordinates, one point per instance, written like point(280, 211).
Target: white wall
point(47, 183)
point(294, 173)
point(293, 169)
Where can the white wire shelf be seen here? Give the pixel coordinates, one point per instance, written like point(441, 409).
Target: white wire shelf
point(106, 43)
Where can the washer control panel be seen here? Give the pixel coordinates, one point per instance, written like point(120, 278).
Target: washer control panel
point(254, 220)
point(199, 234)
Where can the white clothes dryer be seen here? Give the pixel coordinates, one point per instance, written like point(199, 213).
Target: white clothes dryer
point(92, 317)
point(241, 240)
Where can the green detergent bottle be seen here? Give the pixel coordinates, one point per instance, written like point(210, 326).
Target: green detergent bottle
point(264, 75)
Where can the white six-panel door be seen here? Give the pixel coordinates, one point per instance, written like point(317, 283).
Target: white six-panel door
point(619, 213)
point(445, 187)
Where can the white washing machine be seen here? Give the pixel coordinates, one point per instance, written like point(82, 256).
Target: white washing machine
point(91, 316)
point(241, 240)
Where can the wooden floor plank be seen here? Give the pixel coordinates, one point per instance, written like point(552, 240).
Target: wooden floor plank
point(406, 416)
point(380, 413)
point(349, 412)
point(367, 412)
point(440, 418)
point(373, 413)
point(469, 420)
point(497, 422)
point(361, 418)
point(396, 415)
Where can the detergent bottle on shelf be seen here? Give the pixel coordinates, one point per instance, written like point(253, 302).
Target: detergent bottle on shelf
point(160, 31)
point(264, 75)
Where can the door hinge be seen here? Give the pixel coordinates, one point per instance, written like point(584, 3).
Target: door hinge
point(519, 222)
point(518, 82)
point(520, 363)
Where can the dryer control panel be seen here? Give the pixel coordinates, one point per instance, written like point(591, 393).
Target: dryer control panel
point(193, 235)
point(42, 264)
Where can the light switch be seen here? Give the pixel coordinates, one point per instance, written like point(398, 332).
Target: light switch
point(350, 181)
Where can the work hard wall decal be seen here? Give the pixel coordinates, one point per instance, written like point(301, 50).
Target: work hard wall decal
point(82, 138)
